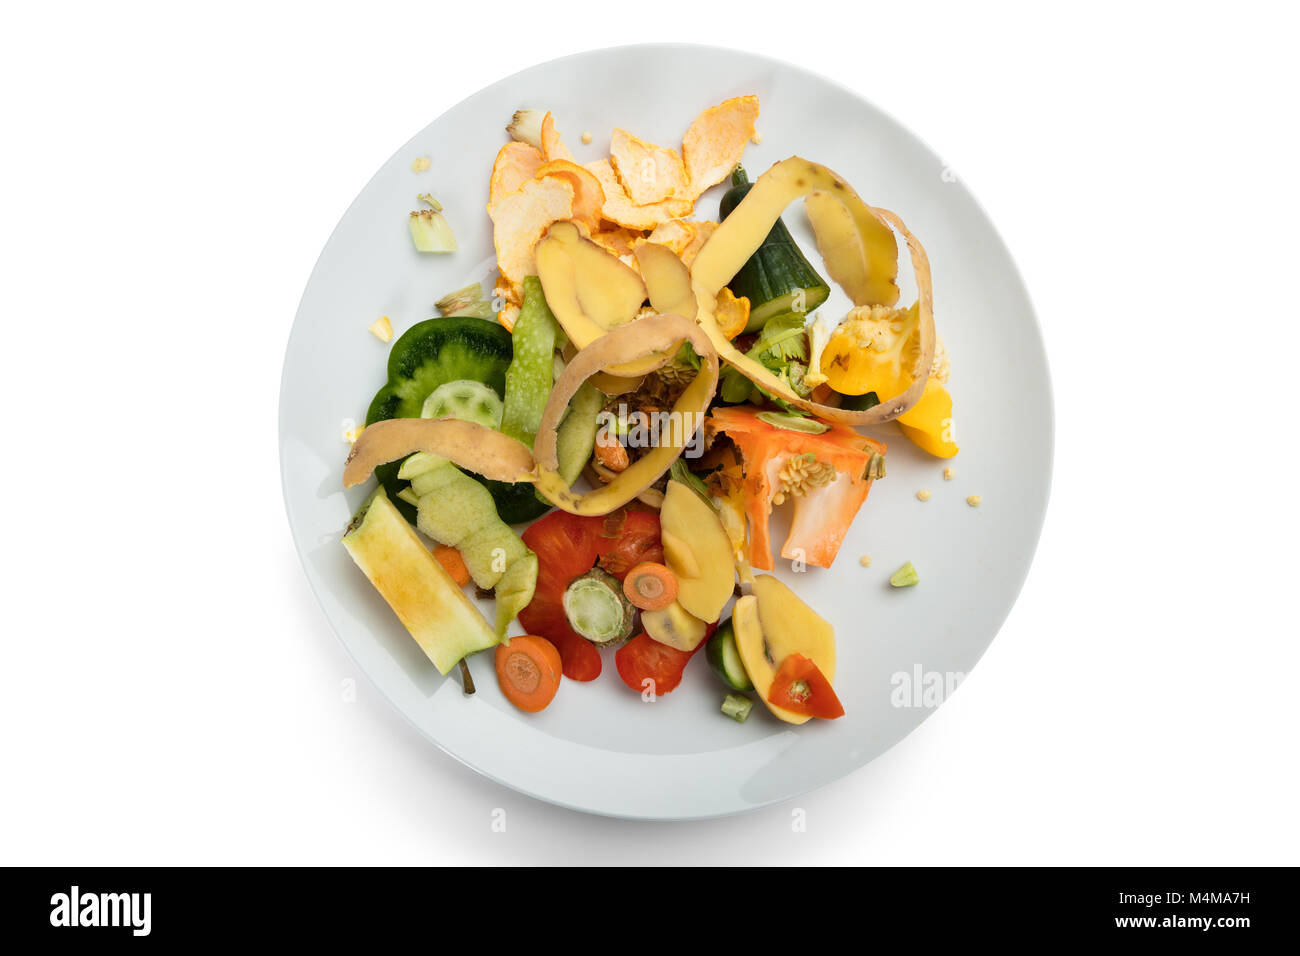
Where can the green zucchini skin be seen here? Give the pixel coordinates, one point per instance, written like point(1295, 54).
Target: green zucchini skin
point(774, 274)
point(432, 353)
point(724, 658)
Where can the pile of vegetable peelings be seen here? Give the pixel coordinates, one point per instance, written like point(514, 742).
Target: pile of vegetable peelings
point(601, 445)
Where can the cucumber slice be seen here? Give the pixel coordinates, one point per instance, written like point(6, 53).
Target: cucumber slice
point(431, 354)
point(737, 707)
point(596, 608)
point(724, 658)
point(466, 399)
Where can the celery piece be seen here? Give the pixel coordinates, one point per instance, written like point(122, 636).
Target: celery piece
point(737, 707)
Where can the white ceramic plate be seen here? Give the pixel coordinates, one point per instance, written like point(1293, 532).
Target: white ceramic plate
point(599, 747)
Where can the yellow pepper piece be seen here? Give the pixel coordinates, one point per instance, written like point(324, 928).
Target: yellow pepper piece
point(874, 350)
point(928, 423)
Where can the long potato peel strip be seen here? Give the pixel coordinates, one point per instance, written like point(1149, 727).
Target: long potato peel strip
point(647, 336)
point(491, 454)
point(857, 243)
point(470, 445)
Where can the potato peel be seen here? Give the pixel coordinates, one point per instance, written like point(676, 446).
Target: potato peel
point(740, 235)
point(656, 334)
point(484, 451)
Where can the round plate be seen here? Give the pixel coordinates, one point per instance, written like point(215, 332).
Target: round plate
point(599, 747)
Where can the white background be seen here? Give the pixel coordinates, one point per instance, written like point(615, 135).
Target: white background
point(172, 694)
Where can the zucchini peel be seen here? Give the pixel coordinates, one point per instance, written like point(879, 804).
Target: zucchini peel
point(861, 254)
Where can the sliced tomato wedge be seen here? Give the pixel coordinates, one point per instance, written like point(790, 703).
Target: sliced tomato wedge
point(801, 687)
point(643, 658)
point(566, 546)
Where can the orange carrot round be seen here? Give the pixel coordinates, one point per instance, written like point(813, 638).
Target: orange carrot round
point(650, 586)
point(452, 563)
point(528, 670)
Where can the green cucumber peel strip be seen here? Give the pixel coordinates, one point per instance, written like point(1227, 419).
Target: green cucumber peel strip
point(531, 373)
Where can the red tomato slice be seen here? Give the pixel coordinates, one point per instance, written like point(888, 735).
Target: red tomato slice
point(643, 658)
point(801, 687)
point(566, 546)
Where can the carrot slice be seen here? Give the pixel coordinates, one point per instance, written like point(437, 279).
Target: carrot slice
point(452, 563)
point(650, 586)
point(528, 670)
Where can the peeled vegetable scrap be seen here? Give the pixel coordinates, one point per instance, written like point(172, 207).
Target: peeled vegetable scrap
point(826, 476)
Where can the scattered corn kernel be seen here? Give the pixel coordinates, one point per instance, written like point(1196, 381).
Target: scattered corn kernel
point(351, 431)
point(865, 560)
point(923, 494)
point(756, 138)
point(586, 137)
point(974, 501)
point(382, 329)
point(420, 164)
point(948, 474)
